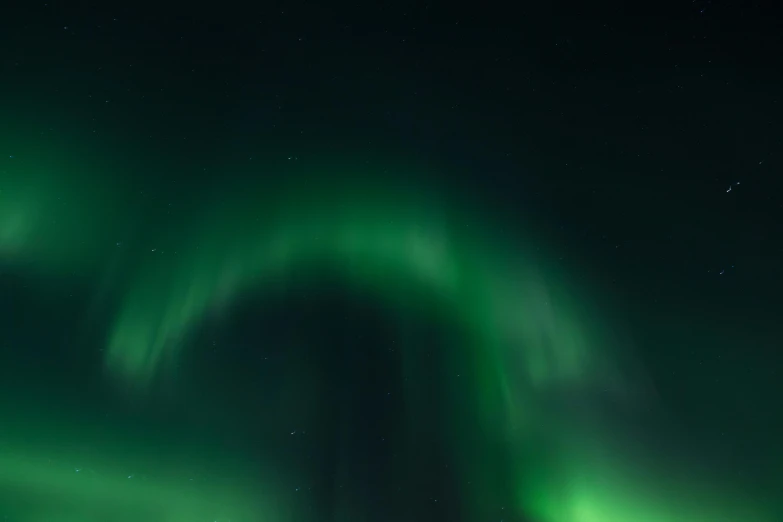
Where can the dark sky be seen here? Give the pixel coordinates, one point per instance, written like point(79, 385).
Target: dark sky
point(629, 155)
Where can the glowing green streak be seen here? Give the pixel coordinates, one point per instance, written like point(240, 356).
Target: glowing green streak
point(118, 480)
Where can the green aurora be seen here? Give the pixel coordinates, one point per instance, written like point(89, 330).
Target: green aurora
point(529, 332)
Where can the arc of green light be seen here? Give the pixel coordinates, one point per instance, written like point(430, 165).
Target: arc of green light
point(404, 247)
point(380, 241)
point(526, 336)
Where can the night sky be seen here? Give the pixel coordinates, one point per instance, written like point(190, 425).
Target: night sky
point(393, 262)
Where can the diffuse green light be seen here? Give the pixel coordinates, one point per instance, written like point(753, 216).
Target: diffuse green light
point(528, 338)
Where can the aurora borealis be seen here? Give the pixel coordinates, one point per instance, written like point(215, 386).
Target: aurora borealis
point(521, 332)
point(203, 320)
